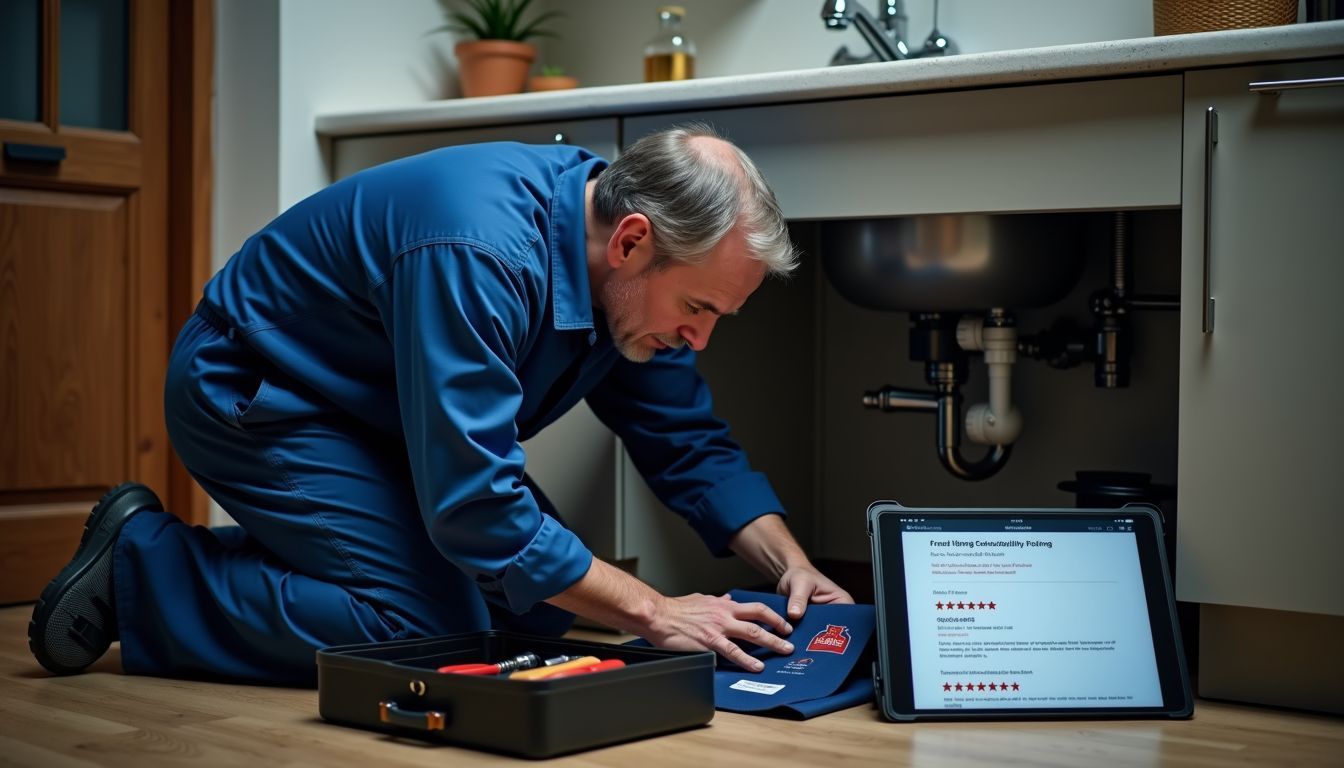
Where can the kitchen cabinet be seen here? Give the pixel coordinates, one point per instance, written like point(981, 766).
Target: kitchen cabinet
point(575, 460)
point(1095, 145)
point(359, 152)
point(1263, 249)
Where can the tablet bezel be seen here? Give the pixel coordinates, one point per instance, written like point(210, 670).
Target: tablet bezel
point(893, 673)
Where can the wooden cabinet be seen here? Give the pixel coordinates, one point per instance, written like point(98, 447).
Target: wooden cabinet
point(1064, 146)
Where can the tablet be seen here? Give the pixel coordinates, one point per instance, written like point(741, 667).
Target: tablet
point(1024, 613)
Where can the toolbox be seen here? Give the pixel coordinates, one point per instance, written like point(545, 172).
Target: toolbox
point(395, 687)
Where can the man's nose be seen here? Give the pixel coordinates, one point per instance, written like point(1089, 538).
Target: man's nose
point(697, 333)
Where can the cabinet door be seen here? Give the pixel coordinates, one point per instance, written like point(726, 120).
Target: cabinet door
point(1063, 146)
point(1260, 418)
point(360, 152)
point(575, 459)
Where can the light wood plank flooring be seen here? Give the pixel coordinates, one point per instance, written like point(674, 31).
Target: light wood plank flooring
point(106, 718)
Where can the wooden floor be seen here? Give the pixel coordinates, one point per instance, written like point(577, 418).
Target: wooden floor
point(106, 718)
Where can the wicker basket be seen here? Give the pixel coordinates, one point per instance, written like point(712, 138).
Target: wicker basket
point(1177, 17)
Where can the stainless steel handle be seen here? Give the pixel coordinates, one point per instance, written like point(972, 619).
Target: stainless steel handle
point(1210, 139)
point(1274, 86)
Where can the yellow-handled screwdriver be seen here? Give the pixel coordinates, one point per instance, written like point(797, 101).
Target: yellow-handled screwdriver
point(543, 672)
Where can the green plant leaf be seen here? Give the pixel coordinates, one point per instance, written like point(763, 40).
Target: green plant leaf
point(531, 29)
point(495, 19)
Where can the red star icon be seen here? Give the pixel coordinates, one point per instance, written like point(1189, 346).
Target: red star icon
point(958, 686)
point(991, 606)
point(947, 686)
point(1003, 686)
point(961, 605)
point(1015, 686)
point(970, 686)
point(981, 686)
point(993, 687)
point(940, 606)
point(982, 606)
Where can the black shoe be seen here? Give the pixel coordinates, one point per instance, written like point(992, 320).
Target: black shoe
point(76, 619)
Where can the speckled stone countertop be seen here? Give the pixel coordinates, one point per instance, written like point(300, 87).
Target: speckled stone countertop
point(1114, 58)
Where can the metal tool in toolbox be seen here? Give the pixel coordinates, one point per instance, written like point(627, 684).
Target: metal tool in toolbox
point(521, 661)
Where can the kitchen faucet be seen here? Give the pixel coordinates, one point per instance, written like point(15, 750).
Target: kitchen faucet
point(885, 34)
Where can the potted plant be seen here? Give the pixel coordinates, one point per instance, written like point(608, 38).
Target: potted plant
point(551, 79)
point(497, 60)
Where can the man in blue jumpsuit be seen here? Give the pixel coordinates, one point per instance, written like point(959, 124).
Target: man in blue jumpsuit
point(354, 386)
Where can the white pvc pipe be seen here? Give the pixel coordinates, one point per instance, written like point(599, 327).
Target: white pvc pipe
point(997, 422)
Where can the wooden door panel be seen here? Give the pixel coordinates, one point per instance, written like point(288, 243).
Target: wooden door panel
point(36, 541)
point(63, 339)
point(90, 298)
point(92, 157)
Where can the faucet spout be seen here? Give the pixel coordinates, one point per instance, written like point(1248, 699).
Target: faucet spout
point(840, 14)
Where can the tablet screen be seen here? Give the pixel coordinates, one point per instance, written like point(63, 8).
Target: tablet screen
point(1018, 611)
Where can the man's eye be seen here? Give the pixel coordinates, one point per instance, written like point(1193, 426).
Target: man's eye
point(691, 308)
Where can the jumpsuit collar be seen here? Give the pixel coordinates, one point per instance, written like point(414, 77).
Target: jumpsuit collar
point(572, 296)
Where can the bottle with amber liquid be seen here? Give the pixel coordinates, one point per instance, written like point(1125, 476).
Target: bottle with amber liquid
point(670, 55)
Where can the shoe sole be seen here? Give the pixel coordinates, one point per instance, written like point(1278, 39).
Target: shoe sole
point(74, 621)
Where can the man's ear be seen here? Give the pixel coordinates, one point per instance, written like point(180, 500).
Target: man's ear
point(631, 242)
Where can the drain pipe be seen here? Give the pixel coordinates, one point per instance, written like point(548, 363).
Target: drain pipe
point(946, 403)
point(941, 341)
point(997, 422)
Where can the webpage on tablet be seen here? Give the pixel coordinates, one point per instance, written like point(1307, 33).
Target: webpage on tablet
point(1008, 614)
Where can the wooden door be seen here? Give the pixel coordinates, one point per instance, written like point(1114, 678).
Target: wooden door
point(89, 299)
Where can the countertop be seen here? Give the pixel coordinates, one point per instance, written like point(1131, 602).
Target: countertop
point(1115, 58)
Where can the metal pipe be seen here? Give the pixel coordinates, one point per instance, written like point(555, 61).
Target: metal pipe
point(946, 402)
point(949, 443)
point(1121, 252)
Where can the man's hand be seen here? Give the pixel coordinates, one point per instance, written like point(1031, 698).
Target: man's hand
point(696, 622)
point(805, 584)
point(767, 544)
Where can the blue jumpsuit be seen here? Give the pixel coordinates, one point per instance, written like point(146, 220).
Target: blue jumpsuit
point(353, 389)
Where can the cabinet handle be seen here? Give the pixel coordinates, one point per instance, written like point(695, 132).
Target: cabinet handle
point(561, 138)
point(1210, 139)
point(35, 153)
point(1274, 86)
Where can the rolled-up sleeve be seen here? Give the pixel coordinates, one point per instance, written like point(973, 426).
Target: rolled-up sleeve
point(663, 412)
point(458, 315)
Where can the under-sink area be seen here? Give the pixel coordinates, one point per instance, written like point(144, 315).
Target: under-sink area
point(818, 342)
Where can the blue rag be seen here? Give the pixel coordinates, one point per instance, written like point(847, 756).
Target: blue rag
point(822, 675)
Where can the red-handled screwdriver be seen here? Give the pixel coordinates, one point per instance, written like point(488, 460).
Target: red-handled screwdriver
point(521, 661)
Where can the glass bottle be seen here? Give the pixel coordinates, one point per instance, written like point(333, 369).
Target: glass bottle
point(670, 55)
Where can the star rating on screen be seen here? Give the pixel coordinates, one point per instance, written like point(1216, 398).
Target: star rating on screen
point(978, 687)
point(966, 605)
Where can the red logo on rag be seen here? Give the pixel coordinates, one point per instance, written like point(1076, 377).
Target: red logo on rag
point(834, 640)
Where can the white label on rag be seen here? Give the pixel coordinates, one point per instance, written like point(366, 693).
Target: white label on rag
point(755, 687)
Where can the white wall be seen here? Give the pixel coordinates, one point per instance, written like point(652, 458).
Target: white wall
point(602, 42)
point(278, 63)
point(281, 62)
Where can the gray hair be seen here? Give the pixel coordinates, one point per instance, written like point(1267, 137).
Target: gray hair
point(693, 199)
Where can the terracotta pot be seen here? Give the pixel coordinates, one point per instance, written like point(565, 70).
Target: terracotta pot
point(493, 67)
point(551, 83)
